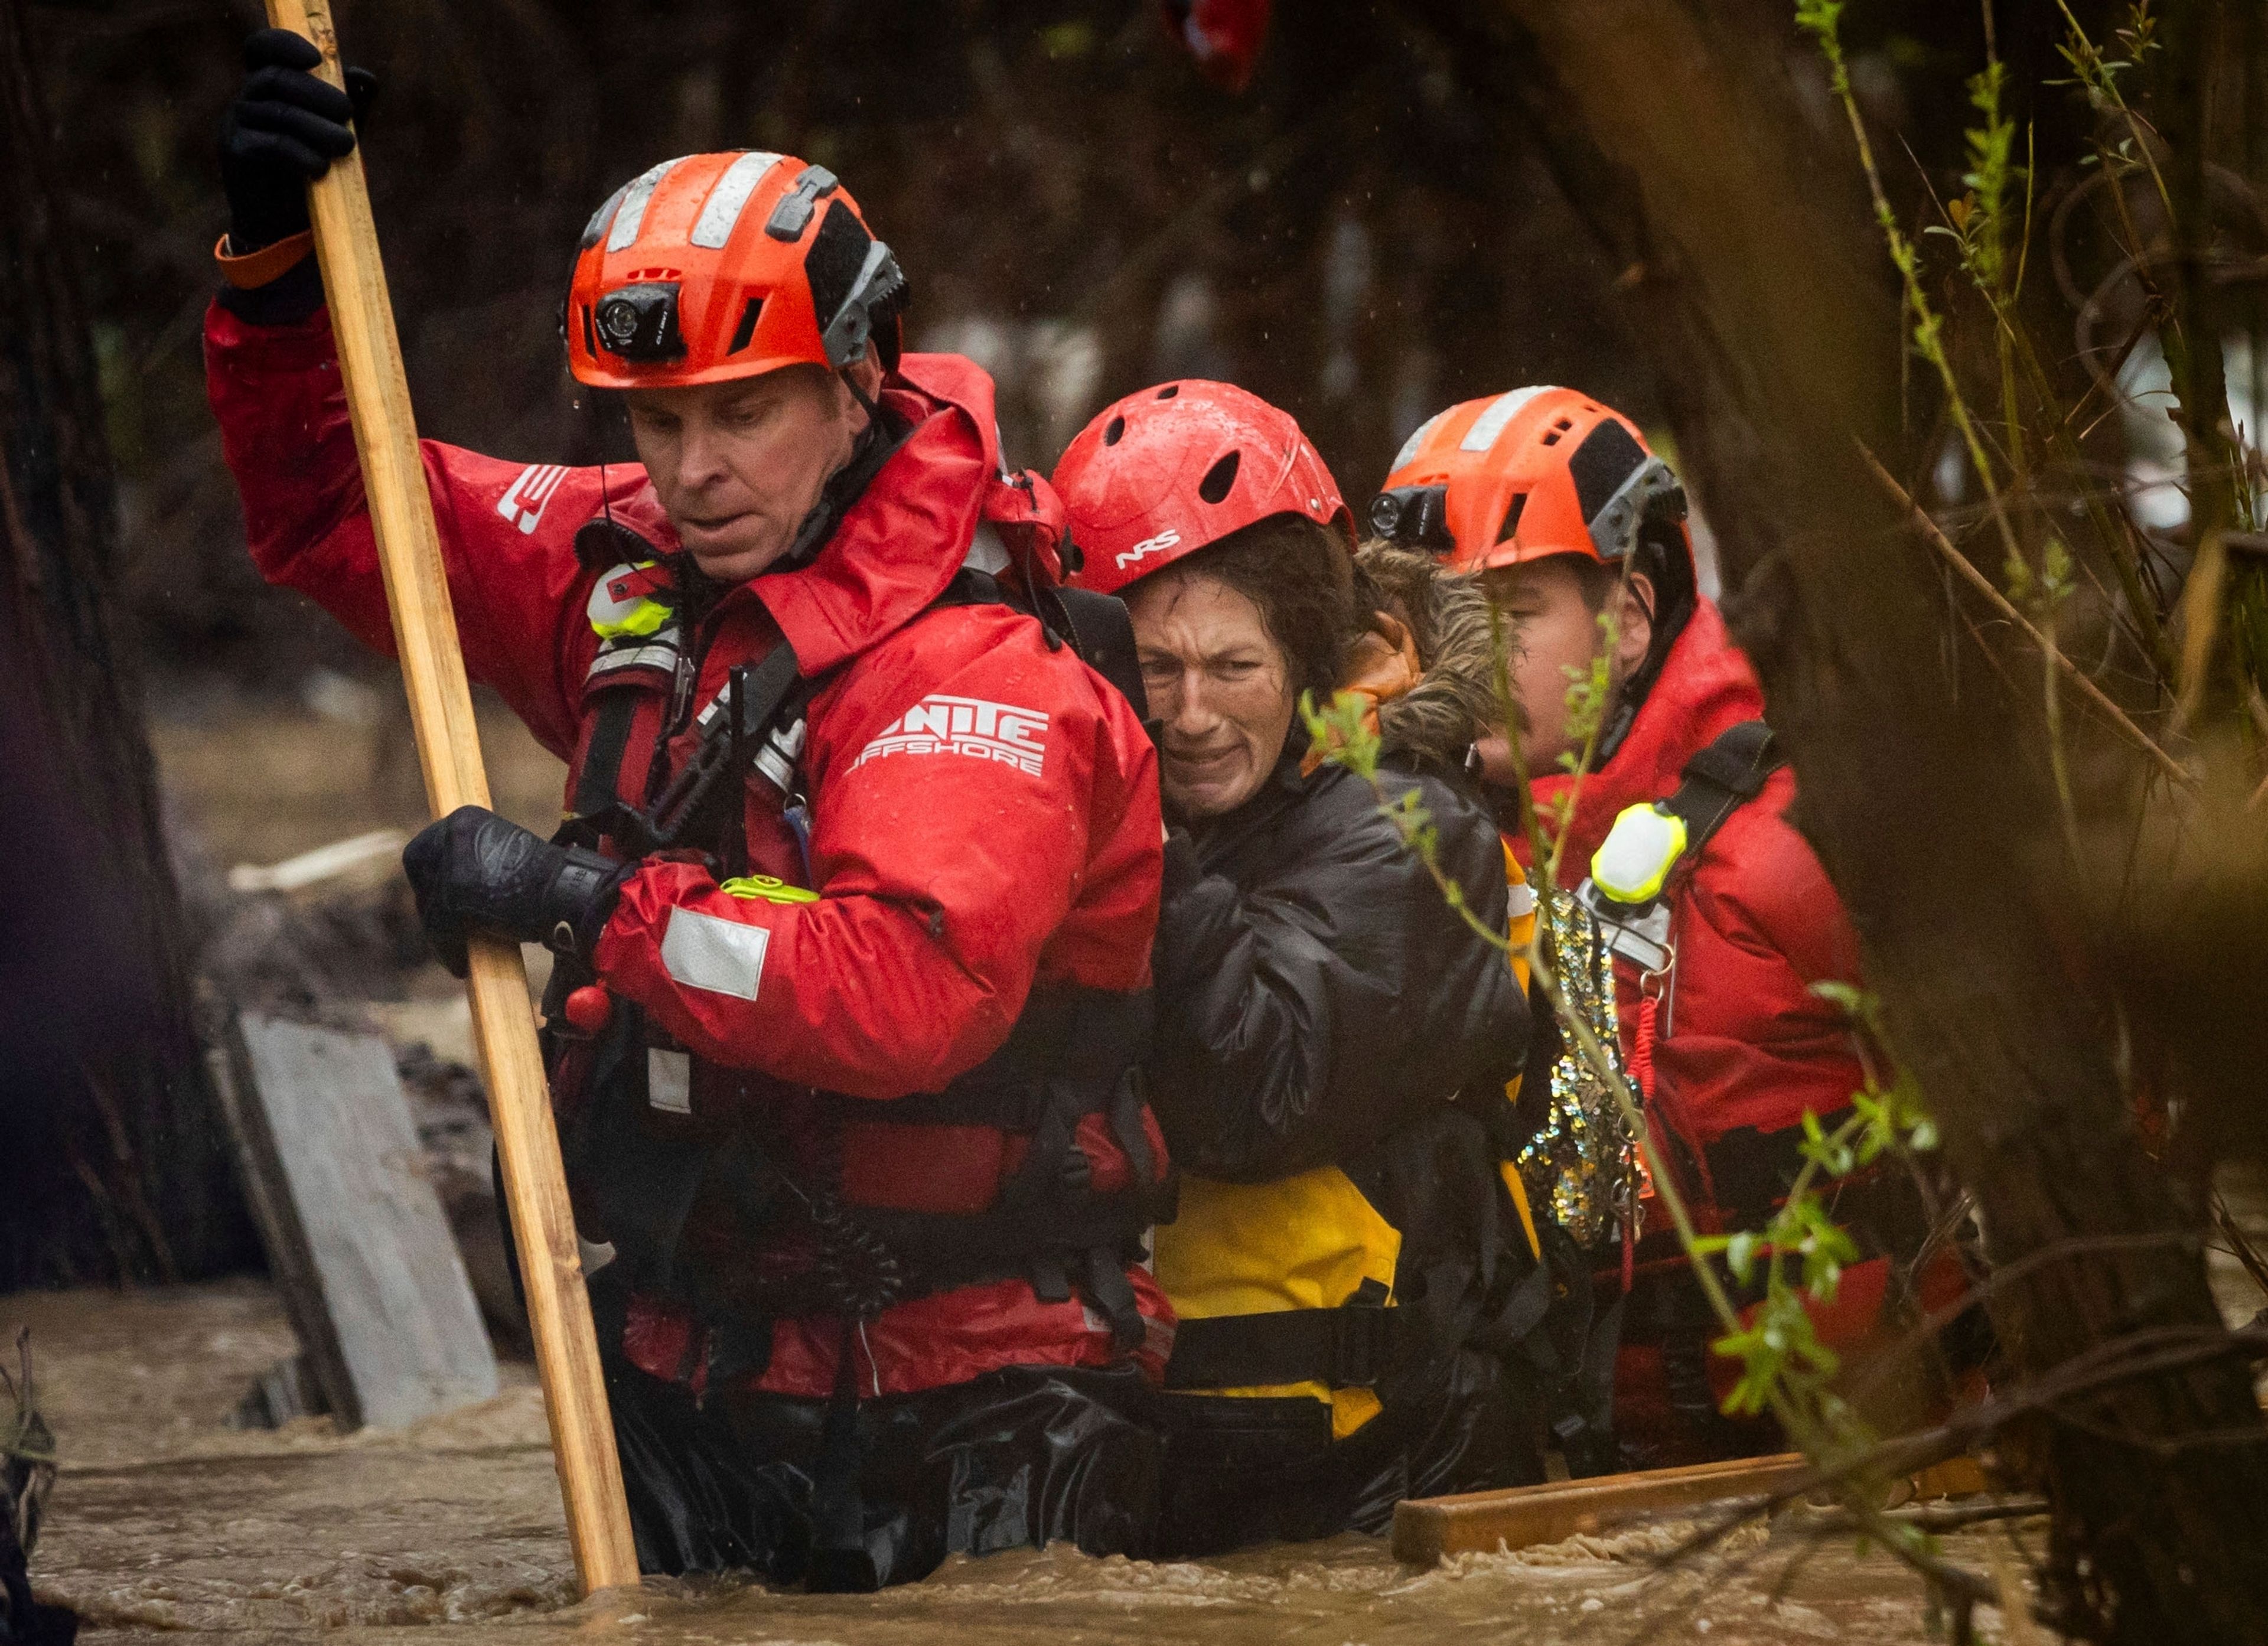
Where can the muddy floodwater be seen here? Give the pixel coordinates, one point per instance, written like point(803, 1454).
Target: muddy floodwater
point(166, 1519)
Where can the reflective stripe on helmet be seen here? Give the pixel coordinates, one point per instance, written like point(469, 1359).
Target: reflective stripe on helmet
point(630, 216)
point(730, 197)
point(601, 217)
point(1491, 422)
point(1417, 439)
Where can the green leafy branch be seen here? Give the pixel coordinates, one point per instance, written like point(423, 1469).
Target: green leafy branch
point(1786, 1370)
point(1779, 1347)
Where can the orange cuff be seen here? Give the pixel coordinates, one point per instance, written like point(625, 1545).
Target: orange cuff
point(257, 268)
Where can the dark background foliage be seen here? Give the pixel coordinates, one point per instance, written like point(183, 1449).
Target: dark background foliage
point(1362, 235)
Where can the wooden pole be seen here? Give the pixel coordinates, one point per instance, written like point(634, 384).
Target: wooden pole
point(449, 750)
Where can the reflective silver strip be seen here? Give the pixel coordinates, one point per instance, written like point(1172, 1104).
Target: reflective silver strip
point(631, 218)
point(730, 197)
point(661, 655)
point(668, 1081)
point(599, 218)
point(777, 758)
point(987, 552)
point(1519, 901)
point(1491, 422)
point(723, 957)
point(1402, 459)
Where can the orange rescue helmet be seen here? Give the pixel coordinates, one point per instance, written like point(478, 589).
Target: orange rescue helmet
point(718, 266)
point(1515, 477)
point(1172, 468)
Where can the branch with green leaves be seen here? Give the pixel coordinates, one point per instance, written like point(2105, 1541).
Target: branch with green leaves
point(1786, 1370)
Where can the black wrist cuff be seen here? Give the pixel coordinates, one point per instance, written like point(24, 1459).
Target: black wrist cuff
point(286, 300)
point(581, 899)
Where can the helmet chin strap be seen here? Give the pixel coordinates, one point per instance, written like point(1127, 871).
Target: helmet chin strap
point(1666, 617)
point(866, 400)
point(869, 450)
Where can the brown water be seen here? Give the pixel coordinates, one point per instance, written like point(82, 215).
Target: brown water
point(166, 1519)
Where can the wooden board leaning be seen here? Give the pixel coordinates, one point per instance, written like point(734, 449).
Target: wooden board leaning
point(355, 1233)
point(1429, 1530)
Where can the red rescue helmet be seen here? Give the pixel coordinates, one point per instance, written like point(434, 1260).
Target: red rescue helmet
point(1515, 477)
point(1224, 36)
point(718, 266)
point(1169, 469)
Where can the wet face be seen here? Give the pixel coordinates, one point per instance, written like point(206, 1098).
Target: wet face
point(1555, 635)
point(739, 465)
point(1219, 685)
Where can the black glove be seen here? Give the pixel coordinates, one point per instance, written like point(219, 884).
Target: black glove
point(282, 133)
point(475, 871)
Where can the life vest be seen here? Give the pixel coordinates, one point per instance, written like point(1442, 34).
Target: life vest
point(749, 1200)
point(1312, 1287)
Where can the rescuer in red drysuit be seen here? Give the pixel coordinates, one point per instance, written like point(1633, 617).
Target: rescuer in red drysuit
point(843, 1043)
point(1555, 501)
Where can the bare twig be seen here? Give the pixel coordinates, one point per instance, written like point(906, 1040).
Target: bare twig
point(2001, 603)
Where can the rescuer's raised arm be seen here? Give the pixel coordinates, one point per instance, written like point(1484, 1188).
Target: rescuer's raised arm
point(272, 377)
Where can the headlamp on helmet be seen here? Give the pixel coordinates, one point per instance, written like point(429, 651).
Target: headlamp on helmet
point(1415, 517)
point(639, 322)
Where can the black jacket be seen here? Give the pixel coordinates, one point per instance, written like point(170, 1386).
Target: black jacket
point(1315, 990)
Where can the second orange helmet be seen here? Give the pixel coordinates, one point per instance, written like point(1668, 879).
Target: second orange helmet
point(1517, 476)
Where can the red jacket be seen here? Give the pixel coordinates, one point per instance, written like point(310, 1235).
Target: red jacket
point(954, 871)
point(1754, 921)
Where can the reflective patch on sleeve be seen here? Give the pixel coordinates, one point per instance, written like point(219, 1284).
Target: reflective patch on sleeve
point(1521, 901)
point(723, 956)
point(668, 1080)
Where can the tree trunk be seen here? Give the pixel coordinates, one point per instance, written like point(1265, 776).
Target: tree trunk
point(113, 1165)
point(1762, 293)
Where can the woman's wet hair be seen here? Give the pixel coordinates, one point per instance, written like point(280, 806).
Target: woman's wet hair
point(1297, 573)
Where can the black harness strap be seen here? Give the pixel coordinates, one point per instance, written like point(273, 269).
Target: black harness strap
point(1085, 1035)
point(598, 785)
point(1717, 781)
point(1102, 633)
point(1349, 1346)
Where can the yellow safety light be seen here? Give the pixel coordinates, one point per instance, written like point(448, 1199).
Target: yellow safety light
point(613, 616)
point(769, 889)
point(1633, 863)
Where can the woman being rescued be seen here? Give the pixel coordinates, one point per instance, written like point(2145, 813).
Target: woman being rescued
point(1333, 1040)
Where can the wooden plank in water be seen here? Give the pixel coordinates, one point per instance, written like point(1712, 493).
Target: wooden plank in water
point(360, 1246)
point(1425, 1529)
